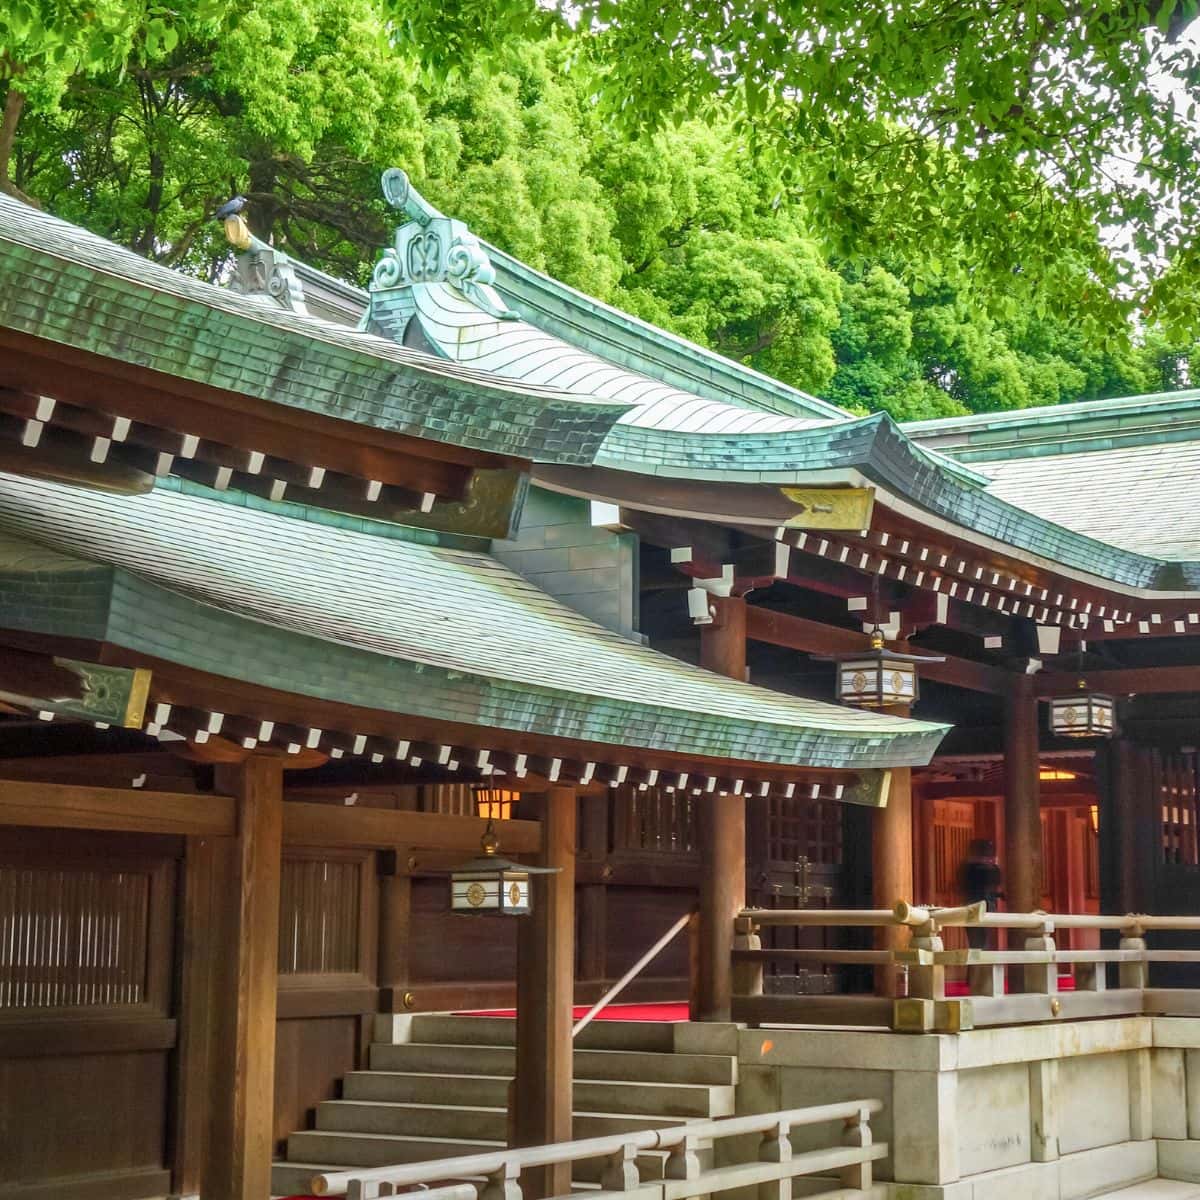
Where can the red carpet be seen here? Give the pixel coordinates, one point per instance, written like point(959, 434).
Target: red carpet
point(614, 1012)
point(956, 988)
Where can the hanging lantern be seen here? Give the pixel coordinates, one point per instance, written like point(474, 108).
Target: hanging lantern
point(880, 678)
point(495, 804)
point(491, 884)
point(1083, 715)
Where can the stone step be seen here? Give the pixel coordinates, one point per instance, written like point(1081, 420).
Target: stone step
point(379, 1150)
point(646, 1036)
point(462, 1121)
point(345, 1150)
point(620, 1065)
point(291, 1178)
point(491, 1091)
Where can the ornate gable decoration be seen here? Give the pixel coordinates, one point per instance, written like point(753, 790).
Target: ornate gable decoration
point(434, 248)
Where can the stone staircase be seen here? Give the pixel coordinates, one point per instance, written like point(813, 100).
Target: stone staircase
point(437, 1087)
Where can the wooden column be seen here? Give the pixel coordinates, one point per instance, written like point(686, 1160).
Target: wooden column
point(593, 898)
point(1022, 812)
point(239, 1161)
point(1146, 827)
point(541, 1097)
point(395, 917)
point(892, 866)
point(721, 824)
point(723, 643)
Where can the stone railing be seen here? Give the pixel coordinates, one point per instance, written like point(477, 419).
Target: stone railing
point(840, 1170)
point(1000, 986)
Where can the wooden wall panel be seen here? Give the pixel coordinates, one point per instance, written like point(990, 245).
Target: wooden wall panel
point(87, 1114)
point(445, 947)
point(311, 1056)
point(642, 916)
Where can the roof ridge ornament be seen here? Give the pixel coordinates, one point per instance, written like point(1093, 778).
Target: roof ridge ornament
point(433, 248)
point(259, 269)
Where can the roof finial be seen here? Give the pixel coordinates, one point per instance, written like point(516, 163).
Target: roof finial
point(433, 248)
point(400, 193)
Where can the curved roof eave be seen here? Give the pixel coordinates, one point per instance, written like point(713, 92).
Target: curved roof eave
point(880, 450)
point(396, 626)
point(686, 443)
point(71, 288)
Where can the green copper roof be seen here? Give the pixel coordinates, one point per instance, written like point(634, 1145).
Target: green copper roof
point(1141, 498)
point(1122, 471)
point(1160, 418)
point(393, 625)
point(457, 328)
point(639, 346)
point(72, 288)
point(669, 434)
point(878, 449)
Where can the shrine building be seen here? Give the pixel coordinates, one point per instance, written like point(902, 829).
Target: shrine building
point(325, 612)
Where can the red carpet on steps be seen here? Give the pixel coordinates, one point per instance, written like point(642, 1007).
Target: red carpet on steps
point(614, 1012)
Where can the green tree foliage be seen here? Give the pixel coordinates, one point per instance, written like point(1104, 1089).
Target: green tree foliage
point(293, 102)
point(997, 134)
point(299, 103)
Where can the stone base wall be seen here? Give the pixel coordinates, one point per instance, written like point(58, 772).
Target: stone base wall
point(1044, 1112)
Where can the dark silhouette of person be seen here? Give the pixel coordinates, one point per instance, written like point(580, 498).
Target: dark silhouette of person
point(981, 880)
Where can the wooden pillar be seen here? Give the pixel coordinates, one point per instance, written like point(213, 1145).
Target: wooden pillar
point(395, 918)
point(723, 643)
point(892, 867)
point(1022, 812)
point(541, 1096)
point(239, 1162)
point(202, 901)
point(593, 898)
point(722, 829)
point(1145, 846)
point(924, 846)
point(721, 822)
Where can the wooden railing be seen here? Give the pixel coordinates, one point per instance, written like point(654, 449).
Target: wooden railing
point(999, 986)
point(846, 1163)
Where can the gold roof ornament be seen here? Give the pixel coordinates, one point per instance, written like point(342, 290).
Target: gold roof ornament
point(237, 232)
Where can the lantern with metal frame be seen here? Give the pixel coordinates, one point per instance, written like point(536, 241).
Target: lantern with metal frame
point(879, 678)
point(490, 884)
point(1086, 714)
point(1083, 715)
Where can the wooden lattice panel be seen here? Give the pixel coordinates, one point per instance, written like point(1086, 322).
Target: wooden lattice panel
point(320, 906)
point(72, 937)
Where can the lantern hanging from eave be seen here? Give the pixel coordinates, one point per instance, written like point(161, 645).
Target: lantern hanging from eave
point(491, 884)
point(880, 678)
point(1083, 715)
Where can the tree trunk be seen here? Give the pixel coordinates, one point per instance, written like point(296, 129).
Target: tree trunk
point(14, 105)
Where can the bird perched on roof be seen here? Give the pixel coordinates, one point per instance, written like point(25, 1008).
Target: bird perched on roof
point(230, 208)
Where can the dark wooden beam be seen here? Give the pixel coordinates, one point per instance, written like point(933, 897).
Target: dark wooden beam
point(1126, 681)
point(813, 637)
point(340, 826)
point(74, 806)
point(971, 789)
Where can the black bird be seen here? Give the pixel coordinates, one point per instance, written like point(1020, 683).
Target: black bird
point(230, 208)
